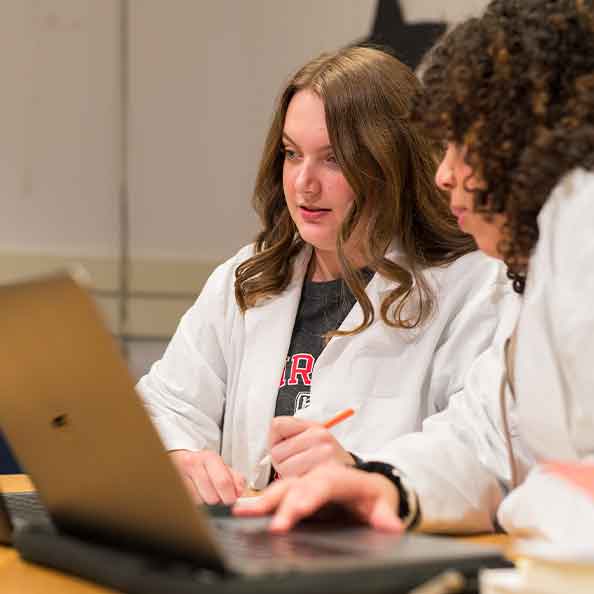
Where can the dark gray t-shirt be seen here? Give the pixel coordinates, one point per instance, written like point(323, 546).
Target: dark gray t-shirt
point(322, 308)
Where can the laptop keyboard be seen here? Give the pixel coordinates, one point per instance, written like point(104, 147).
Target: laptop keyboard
point(264, 546)
point(246, 538)
point(249, 540)
point(246, 541)
point(26, 509)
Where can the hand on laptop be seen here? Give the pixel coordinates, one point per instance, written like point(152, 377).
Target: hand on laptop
point(296, 446)
point(370, 496)
point(207, 477)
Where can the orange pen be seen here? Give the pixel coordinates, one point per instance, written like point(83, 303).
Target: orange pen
point(339, 418)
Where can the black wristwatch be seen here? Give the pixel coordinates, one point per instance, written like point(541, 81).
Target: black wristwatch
point(408, 508)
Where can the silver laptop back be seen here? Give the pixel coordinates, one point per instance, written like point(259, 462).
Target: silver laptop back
point(71, 414)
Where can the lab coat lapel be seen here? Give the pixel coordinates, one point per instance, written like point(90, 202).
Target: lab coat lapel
point(329, 367)
point(268, 331)
point(377, 288)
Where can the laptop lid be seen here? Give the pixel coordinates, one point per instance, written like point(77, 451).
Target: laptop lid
point(73, 418)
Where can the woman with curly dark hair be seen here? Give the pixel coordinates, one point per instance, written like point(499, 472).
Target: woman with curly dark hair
point(512, 94)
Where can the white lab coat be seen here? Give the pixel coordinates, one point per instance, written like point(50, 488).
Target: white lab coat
point(555, 367)
point(459, 465)
point(217, 383)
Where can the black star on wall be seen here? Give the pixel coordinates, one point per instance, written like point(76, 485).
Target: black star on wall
point(408, 41)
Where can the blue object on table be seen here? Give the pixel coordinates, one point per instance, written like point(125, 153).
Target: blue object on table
point(8, 464)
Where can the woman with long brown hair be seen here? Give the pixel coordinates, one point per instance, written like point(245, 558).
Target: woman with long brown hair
point(512, 93)
point(359, 291)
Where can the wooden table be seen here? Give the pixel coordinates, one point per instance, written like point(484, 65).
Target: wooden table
point(20, 577)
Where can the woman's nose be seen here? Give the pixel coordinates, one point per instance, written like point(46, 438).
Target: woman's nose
point(306, 181)
point(444, 176)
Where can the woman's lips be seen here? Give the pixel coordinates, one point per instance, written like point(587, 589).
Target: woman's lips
point(313, 214)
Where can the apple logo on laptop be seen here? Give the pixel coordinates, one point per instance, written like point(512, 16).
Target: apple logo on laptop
point(60, 421)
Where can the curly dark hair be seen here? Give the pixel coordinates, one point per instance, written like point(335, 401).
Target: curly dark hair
point(516, 88)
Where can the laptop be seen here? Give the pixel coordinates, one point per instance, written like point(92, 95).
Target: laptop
point(5, 524)
point(71, 414)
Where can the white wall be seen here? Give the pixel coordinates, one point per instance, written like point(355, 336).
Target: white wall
point(450, 11)
point(59, 125)
point(203, 77)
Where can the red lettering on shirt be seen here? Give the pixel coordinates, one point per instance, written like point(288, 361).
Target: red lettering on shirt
point(283, 379)
point(301, 365)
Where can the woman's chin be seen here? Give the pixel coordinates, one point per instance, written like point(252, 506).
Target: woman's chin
point(323, 242)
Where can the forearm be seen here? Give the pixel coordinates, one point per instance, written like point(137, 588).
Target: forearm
point(180, 425)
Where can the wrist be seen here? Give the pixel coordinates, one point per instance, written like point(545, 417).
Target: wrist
point(408, 507)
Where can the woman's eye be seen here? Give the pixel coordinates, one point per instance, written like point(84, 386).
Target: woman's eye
point(331, 159)
point(290, 154)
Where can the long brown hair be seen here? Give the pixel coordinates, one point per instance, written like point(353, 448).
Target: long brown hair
point(516, 88)
point(390, 166)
